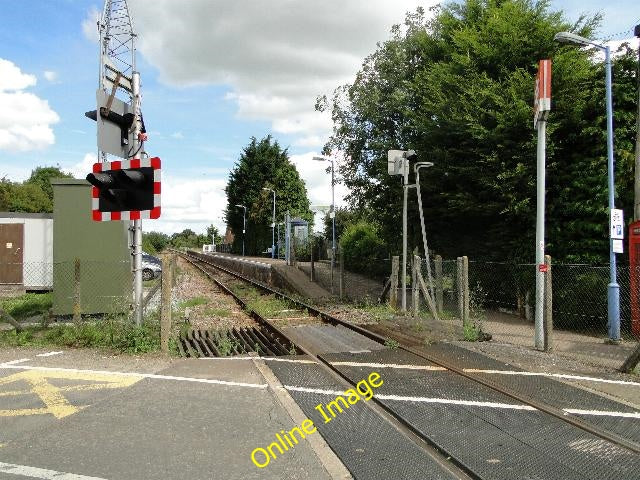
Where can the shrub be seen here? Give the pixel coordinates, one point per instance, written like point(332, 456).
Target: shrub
point(363, 249)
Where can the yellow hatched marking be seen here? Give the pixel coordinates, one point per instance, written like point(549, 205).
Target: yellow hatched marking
point(52, 396)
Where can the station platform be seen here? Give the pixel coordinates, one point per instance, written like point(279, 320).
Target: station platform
point(274, 272)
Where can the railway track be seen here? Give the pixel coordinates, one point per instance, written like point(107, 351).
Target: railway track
point(435, 451)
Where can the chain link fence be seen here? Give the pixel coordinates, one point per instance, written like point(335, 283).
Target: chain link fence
point(80, 287)
point(495, 298)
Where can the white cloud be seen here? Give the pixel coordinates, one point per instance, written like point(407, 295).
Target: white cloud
point(15, 173)
point(276, 56)
point(318, 182)
point(25, 119)
point(90, 24)
point(309, 141)
point(84, 167)
point(188, 203)
point(50, 76)
point(12, 79)
point(177, 136)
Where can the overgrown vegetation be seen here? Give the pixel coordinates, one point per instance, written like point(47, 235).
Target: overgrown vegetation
point(193, 302)
point(217, 312)
point(364, 250)
point(112, 333)
point(27, 305)
point(392, 344)
point(225, 343)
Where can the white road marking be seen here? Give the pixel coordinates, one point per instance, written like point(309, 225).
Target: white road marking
point(445, 401)
point(602, 413)
point(553, 375)
point(41, 473)
point(13, 362)
point(293, 388)
point(140, 375)
point(290, 360)
point(451, 401)
point(390, 365)
point(48, 354)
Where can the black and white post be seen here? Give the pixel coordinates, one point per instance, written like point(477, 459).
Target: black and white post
point(542, 106)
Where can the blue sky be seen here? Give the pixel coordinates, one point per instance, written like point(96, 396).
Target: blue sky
point(214, 74)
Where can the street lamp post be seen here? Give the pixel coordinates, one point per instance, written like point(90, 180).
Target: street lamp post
point(613, 291)
point(273, 223)
point(333, 214)
point(244, 224)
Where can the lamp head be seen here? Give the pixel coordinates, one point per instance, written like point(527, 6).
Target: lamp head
point(320, 159)
point(568, 37)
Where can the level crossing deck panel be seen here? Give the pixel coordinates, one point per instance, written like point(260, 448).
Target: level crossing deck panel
point(369, 447)
point(495, 442)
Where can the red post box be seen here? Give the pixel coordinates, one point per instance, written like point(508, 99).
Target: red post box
point(634, 276)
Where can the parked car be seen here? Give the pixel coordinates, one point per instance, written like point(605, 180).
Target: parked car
point(151, 266)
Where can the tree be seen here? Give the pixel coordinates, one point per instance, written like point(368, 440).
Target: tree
point(458, 88)
point(41, 176)
point(35, 195)
point(344, 218)
point(28, 198)
point(263, 164)
point(155, 241)
point(214, 233)
point(363, 249)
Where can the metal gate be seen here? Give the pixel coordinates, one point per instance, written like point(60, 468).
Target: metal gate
point(11, 253)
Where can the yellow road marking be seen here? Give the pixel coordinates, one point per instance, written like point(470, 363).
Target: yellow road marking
point(52, 396)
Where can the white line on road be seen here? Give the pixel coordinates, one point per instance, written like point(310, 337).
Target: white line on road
point(139, 375)
point(553, 375)
point(446, 401)
point(602, 413)
point(41, 473)
point(432, 368)
point(48, 354)
point(436, 368)
point(13, 362)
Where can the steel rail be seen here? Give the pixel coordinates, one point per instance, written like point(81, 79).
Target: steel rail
point(538, 405)
point(440, 456)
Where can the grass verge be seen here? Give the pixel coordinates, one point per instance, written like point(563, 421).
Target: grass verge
point(27, 305)
point(110, 333)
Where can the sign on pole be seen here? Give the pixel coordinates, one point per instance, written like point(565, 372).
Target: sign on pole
point(542, 102)
point(616, 224)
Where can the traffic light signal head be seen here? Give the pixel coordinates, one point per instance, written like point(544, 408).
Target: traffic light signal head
point(126, 190)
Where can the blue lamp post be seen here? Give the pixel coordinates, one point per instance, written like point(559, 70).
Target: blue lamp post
point(613, 292)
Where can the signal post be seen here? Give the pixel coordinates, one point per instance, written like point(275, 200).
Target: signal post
point(127, 189)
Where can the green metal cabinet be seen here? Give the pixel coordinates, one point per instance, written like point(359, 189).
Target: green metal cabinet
point(105, 279)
